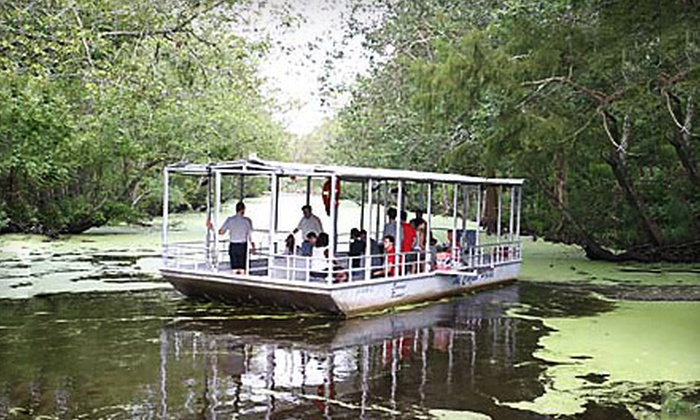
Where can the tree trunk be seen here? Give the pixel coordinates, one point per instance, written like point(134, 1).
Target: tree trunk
point(680, 140)
point(618, 164)
point(490, 217)
point(560, 185)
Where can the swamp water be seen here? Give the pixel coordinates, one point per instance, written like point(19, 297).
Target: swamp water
point(88, 330)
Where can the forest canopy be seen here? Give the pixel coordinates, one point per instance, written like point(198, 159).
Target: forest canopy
point(97, 96)
point(593, 102)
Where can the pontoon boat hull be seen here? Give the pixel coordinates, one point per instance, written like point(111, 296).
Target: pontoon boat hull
point(347, 299)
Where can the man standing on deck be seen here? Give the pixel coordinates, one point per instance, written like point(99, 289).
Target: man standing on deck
point(308, 223)
point(241, 230)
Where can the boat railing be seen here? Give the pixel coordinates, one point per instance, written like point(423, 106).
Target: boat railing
point(190, 255)
point(345, 268)
point(492, 254)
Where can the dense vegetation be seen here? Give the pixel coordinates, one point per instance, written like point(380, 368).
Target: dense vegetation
point(97, 96)
point(593, 101)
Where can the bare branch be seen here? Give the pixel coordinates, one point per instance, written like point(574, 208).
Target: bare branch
point(618, 147)
point(596, 95)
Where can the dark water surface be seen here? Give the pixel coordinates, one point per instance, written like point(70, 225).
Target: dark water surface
point(144, 355)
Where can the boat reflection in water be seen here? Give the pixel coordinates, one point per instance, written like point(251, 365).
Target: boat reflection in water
point(459, 354)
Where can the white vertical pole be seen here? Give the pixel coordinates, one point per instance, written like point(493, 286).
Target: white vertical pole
point(512, 214)
point(478, 222)
point(428, 226)
point(520, 202)
point(368, 248)
point(271, 233)
point(217, 217)
point(455, 203)
point(399, 230)
point(386, 198)
point(362, 206)
point(500, 210)
point(334, 225)
point(465, 196)
point(498, 225)
point(164, 228)
point(379, 216)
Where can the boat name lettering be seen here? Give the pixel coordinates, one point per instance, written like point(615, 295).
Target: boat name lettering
point(398, 290)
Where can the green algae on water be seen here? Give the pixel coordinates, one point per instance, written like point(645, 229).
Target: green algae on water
point(638, 346)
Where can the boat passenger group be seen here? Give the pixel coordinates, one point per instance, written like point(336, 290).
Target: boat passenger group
point(385, 262)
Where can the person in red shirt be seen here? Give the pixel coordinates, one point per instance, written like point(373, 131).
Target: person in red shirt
point(389, 269)
point(407, 243)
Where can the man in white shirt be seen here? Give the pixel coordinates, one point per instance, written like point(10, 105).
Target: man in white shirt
point(241, 230)
point(308, 223)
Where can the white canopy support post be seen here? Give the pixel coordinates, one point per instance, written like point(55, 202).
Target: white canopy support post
point(277, 205)
point(209, 234)
point(164, 228)
point(512, 214)
point(498, 223)
point(428, 226)
point(399, 230)
point(334, 225)
point(379, 214)
point(368, 237)
point(362, 205)
point(386, 199)
point(217, 217)
point(499, 213)
point(478, 224)
point(455, 204)
point(271, 233)
point(465, 214)
point(468, 249)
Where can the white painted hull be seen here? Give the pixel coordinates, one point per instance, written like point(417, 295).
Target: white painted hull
point(348, 299)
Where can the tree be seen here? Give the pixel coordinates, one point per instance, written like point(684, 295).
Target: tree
point(98, 96)
point(593, 102)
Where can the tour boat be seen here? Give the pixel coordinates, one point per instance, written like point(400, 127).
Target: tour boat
point(476, 256)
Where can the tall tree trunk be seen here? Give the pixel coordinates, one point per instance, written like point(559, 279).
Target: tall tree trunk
point(680, 140)
point(591, 247)
point(560, 185)
point(617, 161)
point(490, 212)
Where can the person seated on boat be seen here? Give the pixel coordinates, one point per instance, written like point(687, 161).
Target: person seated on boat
point(444, 257)
point(240, 230)
point(389, 267)
point(289, 248)
point(420, 244)
point(321, 263)
point(432, 253)
point(408, 238)
point(374, 250)
point(390, 226)
point(309, 223)
point(310, 242)
point(357, 248)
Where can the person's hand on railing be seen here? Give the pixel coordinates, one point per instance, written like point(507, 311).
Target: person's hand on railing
point(209, 224)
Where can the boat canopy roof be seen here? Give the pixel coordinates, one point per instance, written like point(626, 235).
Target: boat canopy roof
point(254, 166)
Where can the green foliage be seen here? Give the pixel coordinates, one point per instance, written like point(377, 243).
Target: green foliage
point(585, 99)
point(98, 96)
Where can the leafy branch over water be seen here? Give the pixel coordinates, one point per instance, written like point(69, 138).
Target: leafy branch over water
point(593, 102)
point(98, 96)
